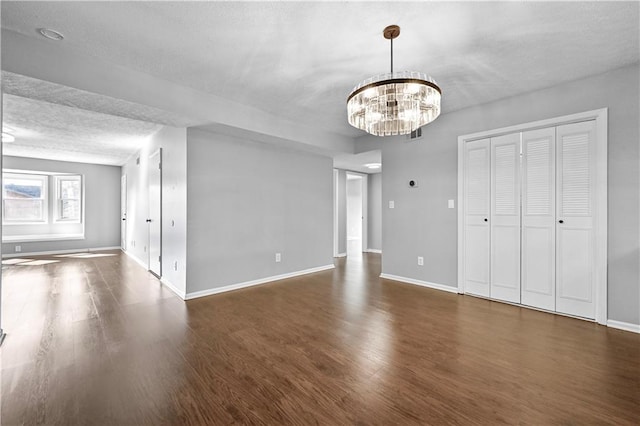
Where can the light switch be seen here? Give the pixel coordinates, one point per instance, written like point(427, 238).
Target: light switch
point(451, 204)
point(392, 204)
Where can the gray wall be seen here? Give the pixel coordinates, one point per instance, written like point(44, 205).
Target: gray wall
point(102, 205)
point(173, 142)
point(422, 225)
point(247, 201)
point(375, 211)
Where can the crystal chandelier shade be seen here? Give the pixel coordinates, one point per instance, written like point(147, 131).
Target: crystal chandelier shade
point(395, 103)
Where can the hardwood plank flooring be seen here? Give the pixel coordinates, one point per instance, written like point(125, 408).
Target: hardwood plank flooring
point(100, 341)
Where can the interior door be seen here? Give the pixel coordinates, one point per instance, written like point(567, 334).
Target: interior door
point(155, 212)
point(505, 218)
point(575, 287)
point(123, 212)
point(476, 217)
point(538, 218)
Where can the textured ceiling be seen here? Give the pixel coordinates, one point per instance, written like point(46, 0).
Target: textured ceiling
point(58, 132)
point(32, 88)
point(300, 60)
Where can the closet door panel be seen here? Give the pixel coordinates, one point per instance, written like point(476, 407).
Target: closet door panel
point(505, 218)
point(538, 219)
point(476, 216)
point(575, 292)
point(538, 267)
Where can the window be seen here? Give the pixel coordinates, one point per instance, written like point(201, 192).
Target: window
point(68, 198)
point(24, 198)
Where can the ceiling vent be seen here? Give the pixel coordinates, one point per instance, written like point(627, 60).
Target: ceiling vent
point(416, 134)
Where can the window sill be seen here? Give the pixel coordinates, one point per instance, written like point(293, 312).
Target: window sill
point(35, 238)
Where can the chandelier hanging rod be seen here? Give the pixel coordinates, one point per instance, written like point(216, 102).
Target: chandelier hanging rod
point(391, 32)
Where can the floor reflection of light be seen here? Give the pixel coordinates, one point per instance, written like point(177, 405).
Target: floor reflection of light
point(15, 261)
point(374, 347)
point(37, 262)
point(86, 255)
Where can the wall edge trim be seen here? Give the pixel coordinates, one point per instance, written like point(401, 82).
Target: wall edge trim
point(238, 286)
point(421, 283)
point(626, 326)
point(181, 294)
point(135, 259)
point(67, 251)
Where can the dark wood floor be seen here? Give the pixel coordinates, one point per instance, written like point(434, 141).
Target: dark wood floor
point(100, 341)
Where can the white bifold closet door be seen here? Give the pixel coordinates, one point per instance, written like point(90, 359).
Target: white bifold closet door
point(538, 218)
point(505, 218)
point(575, 175)
point(476, 217)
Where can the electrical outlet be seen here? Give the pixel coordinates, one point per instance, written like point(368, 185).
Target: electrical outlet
point(420, 261)
point(392, 205)
point(18, 249)
point(451, 204)
point(278, 257)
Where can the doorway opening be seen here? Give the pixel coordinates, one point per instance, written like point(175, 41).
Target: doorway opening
point(356, 235)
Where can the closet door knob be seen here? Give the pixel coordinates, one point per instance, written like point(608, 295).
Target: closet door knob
point(561, 221)
point(485, 219)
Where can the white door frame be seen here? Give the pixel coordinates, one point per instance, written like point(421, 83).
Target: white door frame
point(335, 212)
point(155, 216)
point(600, 214)
point(123, 212)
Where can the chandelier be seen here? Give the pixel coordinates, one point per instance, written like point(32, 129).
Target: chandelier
point(395, 103)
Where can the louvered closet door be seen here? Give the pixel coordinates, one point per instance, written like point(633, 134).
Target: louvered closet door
point(538, 219)
point(575, 291)
point(505, 218)
point(476, 202)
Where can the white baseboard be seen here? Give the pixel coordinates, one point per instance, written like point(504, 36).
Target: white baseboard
point(238, 286)
point(626, 326)
point(373, 251)
point(436, 286)
point(341, 255)
point(138, 261)
point(10, 239)
point(181, 294)
point(46, 253)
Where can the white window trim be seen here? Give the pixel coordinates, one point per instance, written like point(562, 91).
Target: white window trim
point(45, 198)
point(57, 179)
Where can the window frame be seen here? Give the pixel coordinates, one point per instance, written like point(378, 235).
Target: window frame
point(44, 197)
point(57, 209)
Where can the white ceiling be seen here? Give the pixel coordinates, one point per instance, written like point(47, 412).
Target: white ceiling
point(299, 61)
